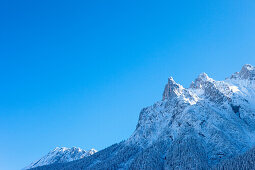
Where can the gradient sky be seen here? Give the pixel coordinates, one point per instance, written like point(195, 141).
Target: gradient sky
point(78, 73)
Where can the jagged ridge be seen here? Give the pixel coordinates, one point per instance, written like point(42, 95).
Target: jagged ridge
point(62, 155)
point(191, 128)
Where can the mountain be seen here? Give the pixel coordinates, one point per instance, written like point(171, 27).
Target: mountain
point(61, 155)
point(199, 127)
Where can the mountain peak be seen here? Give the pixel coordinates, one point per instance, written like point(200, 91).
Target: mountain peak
point(171, 79)
point(200, 80)
point(92, 151)
point(248, 67)
point(203, 76)
point(247, 73)
point(59, 149)
point(62, 155)
point(172, 89)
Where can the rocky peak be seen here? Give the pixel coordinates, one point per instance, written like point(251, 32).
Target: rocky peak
point(203, 76)
point(92, 151)
point(200, 81)
point(247, 73)
point(62, 155)
point(172, 89)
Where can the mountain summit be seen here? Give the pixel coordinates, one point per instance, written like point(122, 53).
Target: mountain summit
point(62, 155)
point(247, 72)
point(190, 128)
point(172, 89)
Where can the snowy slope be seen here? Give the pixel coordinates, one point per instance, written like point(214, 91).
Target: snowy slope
point(190, 128)
point(62, 155)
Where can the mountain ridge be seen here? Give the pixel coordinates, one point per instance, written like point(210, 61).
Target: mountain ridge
point(190, 128)
point(61, 155)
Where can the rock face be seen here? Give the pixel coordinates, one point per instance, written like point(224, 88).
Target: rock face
point(62, 155)
point(172, 89)
point(191, 128)
point(247, 72)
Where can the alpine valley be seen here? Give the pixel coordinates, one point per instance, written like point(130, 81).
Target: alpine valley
point(210, 125)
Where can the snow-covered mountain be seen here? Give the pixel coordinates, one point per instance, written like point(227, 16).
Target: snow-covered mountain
point(62, 155)
point(190, 128)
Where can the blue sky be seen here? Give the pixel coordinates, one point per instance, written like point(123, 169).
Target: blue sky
point(78, 73)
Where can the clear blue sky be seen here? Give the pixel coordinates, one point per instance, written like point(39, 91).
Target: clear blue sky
point(78, 73)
